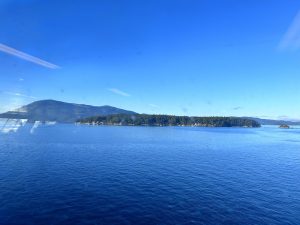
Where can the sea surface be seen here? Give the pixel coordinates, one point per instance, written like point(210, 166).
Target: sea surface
point(68, 174)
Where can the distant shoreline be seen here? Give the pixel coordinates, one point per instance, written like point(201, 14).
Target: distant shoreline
point(168, 120)
point(117, 125)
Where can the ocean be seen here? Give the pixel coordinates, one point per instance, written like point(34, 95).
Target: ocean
point(68, 174)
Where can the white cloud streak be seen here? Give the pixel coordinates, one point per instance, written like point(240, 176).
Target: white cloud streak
point(27, 57)
point(18, 94)
point(237, 108)
point(291, 39)
point(118, 92)
point(154, 106)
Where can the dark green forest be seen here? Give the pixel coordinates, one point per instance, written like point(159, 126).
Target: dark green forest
point(169, 120)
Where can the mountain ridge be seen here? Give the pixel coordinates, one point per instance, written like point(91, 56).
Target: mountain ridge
point(59, 111)
point(64, 112)
point(273, 122)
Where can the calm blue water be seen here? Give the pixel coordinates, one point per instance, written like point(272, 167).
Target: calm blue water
point(67, 174)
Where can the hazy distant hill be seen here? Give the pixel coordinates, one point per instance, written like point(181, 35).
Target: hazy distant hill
point(51, 110)
point(273, 122)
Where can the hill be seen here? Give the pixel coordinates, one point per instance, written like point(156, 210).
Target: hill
point(168, 120)
point(273, 122)
point(51, 110)
point(63, 112)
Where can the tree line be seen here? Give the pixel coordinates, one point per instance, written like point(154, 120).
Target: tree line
point(168, 120)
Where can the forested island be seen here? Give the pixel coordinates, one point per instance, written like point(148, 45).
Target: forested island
point(168, 120)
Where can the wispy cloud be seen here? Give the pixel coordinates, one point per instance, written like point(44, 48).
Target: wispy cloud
point(266, 117)
point(18, 94)
point(27, 57)
point(11, 104)
point(291, 39)
point(237, 108)
point(154, 106)
point(118, 92)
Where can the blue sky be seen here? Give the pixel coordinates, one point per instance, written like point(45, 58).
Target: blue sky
point(183, 57)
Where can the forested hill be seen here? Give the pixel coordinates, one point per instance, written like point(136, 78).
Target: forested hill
point(167, 120)
point(62, 112)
